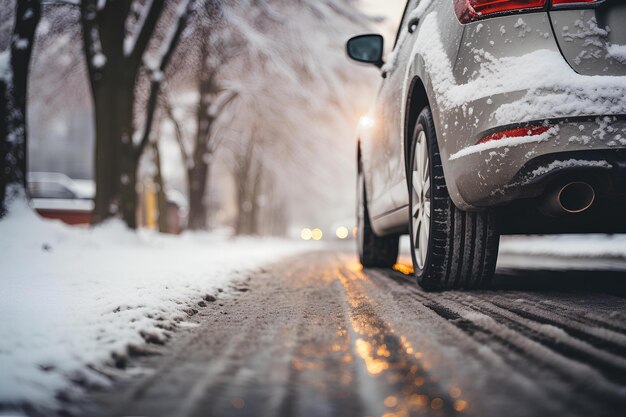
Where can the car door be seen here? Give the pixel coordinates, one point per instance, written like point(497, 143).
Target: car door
point(388, 160)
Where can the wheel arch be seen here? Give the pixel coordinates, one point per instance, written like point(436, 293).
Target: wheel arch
point(417, 100)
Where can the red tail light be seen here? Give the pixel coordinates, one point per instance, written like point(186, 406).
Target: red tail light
point(519, 132)
point(470, 10)
point(560, 2)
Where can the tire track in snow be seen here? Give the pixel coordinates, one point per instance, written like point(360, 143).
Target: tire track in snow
point(564, 392)
point(522, 340)
point(569, 312)
point(557, 339)
point(583, 379)
point(318, 336)
point(601, 337)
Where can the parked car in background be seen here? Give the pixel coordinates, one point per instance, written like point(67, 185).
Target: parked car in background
point(493, 117)
point(57, 196)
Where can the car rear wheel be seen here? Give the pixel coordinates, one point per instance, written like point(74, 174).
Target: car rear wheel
point(451, 248)
point(374, 251)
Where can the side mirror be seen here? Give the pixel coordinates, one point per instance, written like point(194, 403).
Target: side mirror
point(367, 49)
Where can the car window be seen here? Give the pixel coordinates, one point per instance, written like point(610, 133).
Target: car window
point(410, 5)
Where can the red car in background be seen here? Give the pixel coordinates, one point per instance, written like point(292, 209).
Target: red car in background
point(57, 196)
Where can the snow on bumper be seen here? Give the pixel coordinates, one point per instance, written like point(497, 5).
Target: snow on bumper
point(520, 79)
point(501, 170)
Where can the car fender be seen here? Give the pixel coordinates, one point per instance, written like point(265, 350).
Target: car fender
point(416, 71)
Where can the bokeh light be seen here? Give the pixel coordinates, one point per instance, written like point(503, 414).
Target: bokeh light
point(306, 234)
point(342, 232)
point(317, 234)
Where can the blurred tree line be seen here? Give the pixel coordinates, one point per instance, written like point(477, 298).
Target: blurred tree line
point(261, 86)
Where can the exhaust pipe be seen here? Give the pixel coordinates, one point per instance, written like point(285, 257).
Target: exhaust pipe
point(574, 197)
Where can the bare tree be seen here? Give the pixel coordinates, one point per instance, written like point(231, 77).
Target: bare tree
point(158, 71)
point(253, 62)
point(14, 70)
point(299, 105)
point(248, 175)
point(207, 52)
point(198, 159)
point(116, 36)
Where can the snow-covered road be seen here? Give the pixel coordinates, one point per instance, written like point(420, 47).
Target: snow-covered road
point(317, 336)
point(75, 303)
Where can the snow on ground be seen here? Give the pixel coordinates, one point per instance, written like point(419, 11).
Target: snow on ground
point(73, 299)
point(562, 246)
point(577, 246)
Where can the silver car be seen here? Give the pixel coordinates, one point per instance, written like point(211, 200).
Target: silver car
point(493, 117)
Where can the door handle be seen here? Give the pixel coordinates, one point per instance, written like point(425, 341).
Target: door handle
point(412, 25)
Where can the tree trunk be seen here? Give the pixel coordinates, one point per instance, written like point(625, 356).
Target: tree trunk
point(131, 164)
point(14, 93)
point(255, 194)
point(115, 169)
point(164, 226)
point(198, 174)
point(241, 222)
point(3, 129)
point(111, 93)
point(113, 73)
point(247, 183)
point(128, 164)
point(198, 178)
point(110, 102)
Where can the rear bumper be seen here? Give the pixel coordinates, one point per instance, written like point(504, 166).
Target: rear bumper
point(499, 175)
point(488, 92)
point(516, 180)
point(604, 170)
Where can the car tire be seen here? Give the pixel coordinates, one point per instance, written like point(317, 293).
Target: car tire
point(374, 251)
point(458, 249)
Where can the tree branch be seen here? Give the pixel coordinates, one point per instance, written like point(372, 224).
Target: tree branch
point(178, 131)
point(219, 105)
point(95, 59)
point(27, 16)
point(157, 74)
point(135, 46)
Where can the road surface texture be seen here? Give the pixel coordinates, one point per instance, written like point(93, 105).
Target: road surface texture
point(318, 336)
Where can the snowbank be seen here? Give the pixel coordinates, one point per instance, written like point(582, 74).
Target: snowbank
point(578, 246)
point(72, 301)
point(591, 246)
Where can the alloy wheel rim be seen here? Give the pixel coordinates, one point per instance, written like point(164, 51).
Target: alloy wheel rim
point(420, 210)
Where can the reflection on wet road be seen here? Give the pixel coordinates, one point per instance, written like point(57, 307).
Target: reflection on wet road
point(405, 387)
point(318, 336)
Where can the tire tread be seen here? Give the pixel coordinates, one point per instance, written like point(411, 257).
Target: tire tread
point(377, 251)
point(469, 258)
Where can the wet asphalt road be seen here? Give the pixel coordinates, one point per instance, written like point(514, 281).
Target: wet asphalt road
point(317, 336)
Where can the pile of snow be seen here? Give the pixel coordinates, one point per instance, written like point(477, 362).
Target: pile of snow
point(585, 246)
point(578, 246)
point(617, 52)
point(72, 301)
